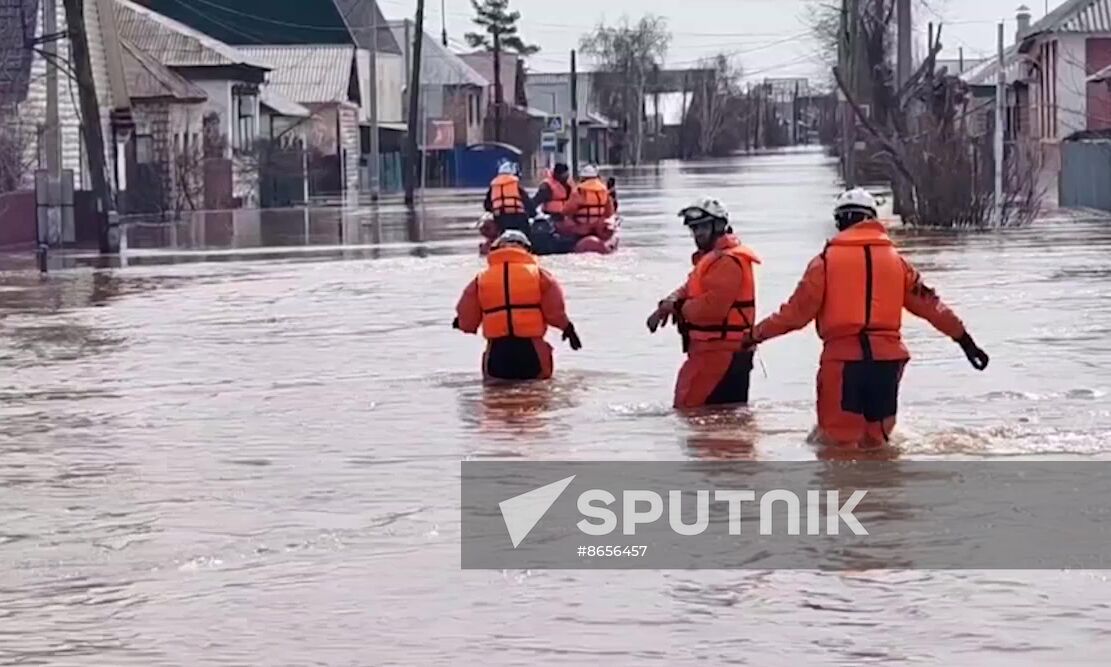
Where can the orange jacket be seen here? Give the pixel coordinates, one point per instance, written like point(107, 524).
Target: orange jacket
point(557, 195)
point(587, 210)
point(505, 196)
point(721, 283)
point(895, 285)
point(470, 306)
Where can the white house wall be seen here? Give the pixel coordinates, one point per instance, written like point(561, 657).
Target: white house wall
point(391, 80)
point(1072, 87)
point(219, 102)
point(391, 84)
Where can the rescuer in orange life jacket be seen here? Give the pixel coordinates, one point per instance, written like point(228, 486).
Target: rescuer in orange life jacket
point(713, 311)
point(507, 200)
point(515, 301)
point(857, 289)
point(588, 209)
point(554, 191)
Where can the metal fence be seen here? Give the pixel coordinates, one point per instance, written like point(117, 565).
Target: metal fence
point(1086, 174)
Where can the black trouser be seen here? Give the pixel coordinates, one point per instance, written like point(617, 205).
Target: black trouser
point(871, 388)
point(733, 387)
point(513, 359)
point(517, 221)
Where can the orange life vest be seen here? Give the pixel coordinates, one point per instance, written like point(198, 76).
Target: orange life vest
point(505, 195)
point(594, 197)
point(560, 195)
point(865, 286)
point(509, 293)
point(742, 316)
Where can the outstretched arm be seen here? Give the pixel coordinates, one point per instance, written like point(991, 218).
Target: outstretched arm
point(552, 303)
point(801, 309)
point(922, 301)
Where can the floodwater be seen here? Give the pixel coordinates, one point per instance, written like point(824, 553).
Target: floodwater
point(256, 461)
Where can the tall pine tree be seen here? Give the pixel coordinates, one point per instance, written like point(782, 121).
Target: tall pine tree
point(498, 33)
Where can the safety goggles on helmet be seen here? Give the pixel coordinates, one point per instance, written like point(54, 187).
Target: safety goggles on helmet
point(512, 237)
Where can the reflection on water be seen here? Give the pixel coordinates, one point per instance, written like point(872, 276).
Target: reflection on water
point(228, 454)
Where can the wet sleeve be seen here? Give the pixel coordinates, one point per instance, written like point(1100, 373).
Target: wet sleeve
point(530, 205)
point(469, 310)
point(543, 195)
point(801, 309)
point(488, 204)
point(721, 281)
point(551, 301)
point(922, 301)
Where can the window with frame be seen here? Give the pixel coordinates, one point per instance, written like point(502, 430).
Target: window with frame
point(245, 116)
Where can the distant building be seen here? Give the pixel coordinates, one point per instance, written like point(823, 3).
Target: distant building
point(551, 92)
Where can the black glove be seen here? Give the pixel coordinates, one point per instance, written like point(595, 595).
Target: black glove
point(455, 323)
point(569, 334)
point(977, 357)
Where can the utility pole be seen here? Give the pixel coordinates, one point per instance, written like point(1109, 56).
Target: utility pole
point(443, 22)
point(960, 59)
point(905, 30)
point(574, 117)
point(1000, 103)
point(375, 159)
point(795, 116)
point(498, 93)
point(90, 125)
point(849, 25)
point(414, 100)
point(53, 139)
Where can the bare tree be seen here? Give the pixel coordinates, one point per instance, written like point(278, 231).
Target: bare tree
point(16, 154)
point(627, 54)
point(937, 169)
point(716, 105)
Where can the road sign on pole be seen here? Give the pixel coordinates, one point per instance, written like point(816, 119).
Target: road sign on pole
point(549, 141)
point(555, 124)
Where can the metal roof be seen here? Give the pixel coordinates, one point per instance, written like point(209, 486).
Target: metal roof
point(269, 97)
point(984, 74)
point(359, 15)
point(1077, 16)
point(308, 74)
point(175, 44)
point(151, 80)
point(439, 66)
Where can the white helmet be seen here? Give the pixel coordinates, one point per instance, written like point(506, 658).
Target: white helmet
point(704, 209)
point(589, 171)
point(512, 237)
point(507, 168)
point(856, 199)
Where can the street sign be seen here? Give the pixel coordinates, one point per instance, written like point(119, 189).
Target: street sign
point(549, 141)
point(555, 124)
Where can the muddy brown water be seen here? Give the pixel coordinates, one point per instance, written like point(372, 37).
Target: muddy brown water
point(255, 460)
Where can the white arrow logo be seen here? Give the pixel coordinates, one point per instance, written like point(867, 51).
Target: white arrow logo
point(522, 513)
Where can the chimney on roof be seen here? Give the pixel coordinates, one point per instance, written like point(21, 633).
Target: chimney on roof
point(1023, 19)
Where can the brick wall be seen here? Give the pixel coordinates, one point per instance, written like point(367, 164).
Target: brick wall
point(1098, 52)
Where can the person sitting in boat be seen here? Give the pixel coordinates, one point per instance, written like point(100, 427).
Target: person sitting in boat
point(589, 209)
point(514, 301)
point(507, 200)
point(553, 193)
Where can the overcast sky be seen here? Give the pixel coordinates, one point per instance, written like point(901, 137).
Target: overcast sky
point(768, 37)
